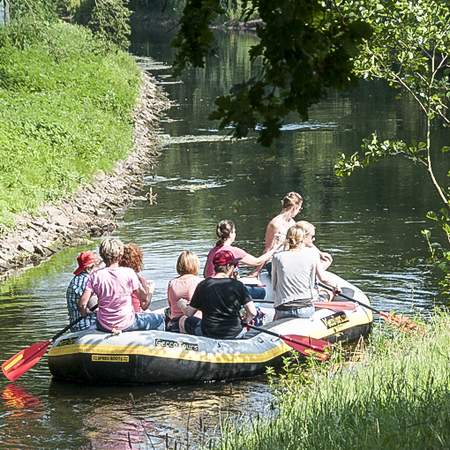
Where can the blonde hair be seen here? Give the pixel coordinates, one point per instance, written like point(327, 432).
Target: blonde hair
point(291, 199)
point(188, 263)
point(297, 233)
point(307, 227)
point(111, 250)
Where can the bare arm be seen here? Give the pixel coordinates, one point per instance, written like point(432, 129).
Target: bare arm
point(250, 311)
point(325, 278)
point(83, 302)
point(250, 260)
point(148, 288)
point(271, 230)
point(185, 308)
point(325, 258)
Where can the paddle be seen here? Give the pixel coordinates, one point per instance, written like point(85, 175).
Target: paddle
point(398, 320)
point(303, 344)
point(24, 360)
point(335, 306)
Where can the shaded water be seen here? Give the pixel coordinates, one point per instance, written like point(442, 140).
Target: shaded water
point(370, 223)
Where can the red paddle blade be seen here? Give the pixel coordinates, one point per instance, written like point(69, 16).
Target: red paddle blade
point(24, 360)
point(400, 321)
point(315, 344)
point(308, 346)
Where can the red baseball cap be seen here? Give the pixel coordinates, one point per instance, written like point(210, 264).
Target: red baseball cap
point(85, 260)
point(225, 258)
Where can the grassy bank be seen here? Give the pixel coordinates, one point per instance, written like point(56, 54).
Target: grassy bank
point(66, 112)
point(396, 397)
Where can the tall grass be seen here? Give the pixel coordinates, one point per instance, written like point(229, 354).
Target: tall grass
point(66, 111)
point(396, 397)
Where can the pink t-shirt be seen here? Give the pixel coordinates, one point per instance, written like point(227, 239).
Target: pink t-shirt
point(181, 287)
point(113, 287)
point(237, 252)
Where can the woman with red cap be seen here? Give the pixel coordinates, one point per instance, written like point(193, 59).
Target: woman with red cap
point(86, 263)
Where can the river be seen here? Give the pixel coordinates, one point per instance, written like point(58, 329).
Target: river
point(371, 223)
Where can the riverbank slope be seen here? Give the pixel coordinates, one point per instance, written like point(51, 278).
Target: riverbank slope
point(78, 129)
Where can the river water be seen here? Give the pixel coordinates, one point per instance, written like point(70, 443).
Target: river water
point(370, 223)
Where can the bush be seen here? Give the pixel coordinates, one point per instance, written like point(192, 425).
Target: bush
point(107, 18)
point(42, 9)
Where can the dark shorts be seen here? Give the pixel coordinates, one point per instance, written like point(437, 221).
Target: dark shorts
point(256, 292)
point(302, 313)
point(193, 326)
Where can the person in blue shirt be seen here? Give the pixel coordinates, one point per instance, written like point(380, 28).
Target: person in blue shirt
point(87, 261)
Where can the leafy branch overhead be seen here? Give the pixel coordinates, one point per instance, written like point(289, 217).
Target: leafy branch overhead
point(410, 49)
point(305, 47)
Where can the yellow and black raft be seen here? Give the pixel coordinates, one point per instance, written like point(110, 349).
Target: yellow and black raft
point(156, 356)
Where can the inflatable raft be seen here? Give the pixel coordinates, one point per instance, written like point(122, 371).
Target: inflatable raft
point(156, 356)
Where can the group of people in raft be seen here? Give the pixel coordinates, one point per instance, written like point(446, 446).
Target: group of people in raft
point(209, 306)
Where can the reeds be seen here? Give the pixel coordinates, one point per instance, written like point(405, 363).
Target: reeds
point(394, 394)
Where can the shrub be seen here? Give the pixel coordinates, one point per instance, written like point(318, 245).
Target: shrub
point(107, 18)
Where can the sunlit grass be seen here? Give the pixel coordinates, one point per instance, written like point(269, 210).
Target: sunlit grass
point(395, 396)
point(66, 111)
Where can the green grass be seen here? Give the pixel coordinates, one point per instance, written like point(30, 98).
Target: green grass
point(396, 397)
point(66, 112)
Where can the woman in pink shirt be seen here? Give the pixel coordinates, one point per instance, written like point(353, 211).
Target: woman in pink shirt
point(113, 285)
point(183, 286)
point(226, 232)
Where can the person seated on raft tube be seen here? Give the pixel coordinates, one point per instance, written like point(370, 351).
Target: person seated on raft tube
point(226, 232)
point(294, 273)
point(113, 286)
point(133, 257)
point(87, 261)
point(277, 228)
point(182, 286)
point(220, 299)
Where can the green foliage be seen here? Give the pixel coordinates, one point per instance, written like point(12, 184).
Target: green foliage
point(393, 395)
point(315, 53)
point(67, 8)
point(40, 9)
point(373, 151)
point(66, 112)
point(410, 49)
point(108, 19)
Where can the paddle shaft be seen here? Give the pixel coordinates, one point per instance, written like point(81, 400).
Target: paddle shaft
point(351, 299)
point(71, 324)
point(24, 360)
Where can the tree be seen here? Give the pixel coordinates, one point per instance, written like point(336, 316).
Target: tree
point(306, 47)
point(108, 19)
point(410, 49)
point(42, 9)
